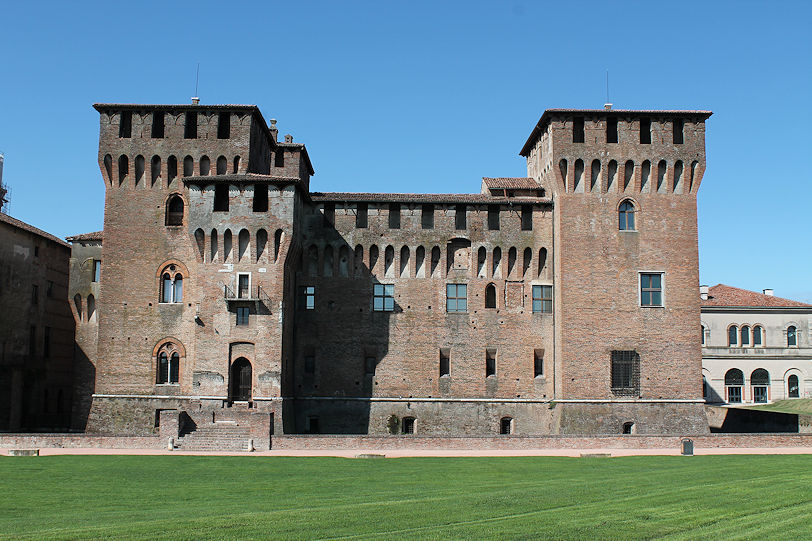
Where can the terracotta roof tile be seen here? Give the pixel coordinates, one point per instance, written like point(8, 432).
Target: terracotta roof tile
point(96, 235)
point(511, 183)
point(5, 218)
point(722, 295)
point(474, 198)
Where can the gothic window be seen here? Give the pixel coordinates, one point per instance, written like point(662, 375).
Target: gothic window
point(171, 285)
point(490, 296)
point(733, 336)
point(168, 369)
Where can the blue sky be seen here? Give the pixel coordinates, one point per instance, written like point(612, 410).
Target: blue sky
point(430, 96)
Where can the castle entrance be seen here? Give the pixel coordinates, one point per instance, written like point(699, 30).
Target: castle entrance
point(240, 379)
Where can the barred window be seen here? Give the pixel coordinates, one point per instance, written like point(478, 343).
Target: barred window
point(625, 373)
point(383, 298)
point(542, 299)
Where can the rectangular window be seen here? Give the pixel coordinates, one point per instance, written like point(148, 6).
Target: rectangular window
point(96, 270)
point(461, 218)
point(369, 365)
point(651, 289)
point(309, 297)
point(427, 217)
point(678, 132)
point(243, 313)
point(645, 131)
point(34, 294)
point(362, 216)
point(408, 425)
point(611, 130)
point(49, 289)
point(456, 298)
point(538, 363)
point(279, 158)
point(329, 215)
point(224, 125)
point(542, 299)
point(490, 362)
point(158, 126)
point(310, 364)
point(394, 215)
point(445, 362)
point(244, 286)
point(46, 342)
point(734, 395)
point(190, 126)
point(312, 425)
point(578, 130)
point(221, 198)
point(260, 198)
point(383, 298)
point(493, 217)
point(125, 128)
point(626, 373)
point(32, 338)
point(527, 217)
point(759, 394)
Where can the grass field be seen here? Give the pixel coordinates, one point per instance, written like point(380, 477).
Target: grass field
point(188, 497)
point(801, 406)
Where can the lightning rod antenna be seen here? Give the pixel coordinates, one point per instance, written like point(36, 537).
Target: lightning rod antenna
point(195, 98)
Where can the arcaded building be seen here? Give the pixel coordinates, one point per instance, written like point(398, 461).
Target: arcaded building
point(563, 302)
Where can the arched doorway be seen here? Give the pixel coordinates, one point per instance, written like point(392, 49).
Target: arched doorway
point(240, 388)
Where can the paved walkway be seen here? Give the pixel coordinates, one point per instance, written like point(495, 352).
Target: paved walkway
point(398, 453)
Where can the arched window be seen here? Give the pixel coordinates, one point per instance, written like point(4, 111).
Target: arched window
point(760, 382)
point(404, 262)
point(243, 242)
point(490, 296)
point(200, 241)
point(277, 243)
point(481, 261)
point(758, 336)
point(171, 168)
point(155, 170)
point(734, 380)
point(139, 169)
point(792, 336)
point(733, 336)
point(108, 167)
point(171, 285)
point(236, 165)
point(77, 301)
point(793, 388)
point(188, 166)
point(168, 369)
point(214, 245)
point(205, 165)
point(123, 168)
point(625, 216)
point(745, 336)
point(527, 257)
point(262, 241)
point(174, 210)
point(91, 308)
point(222, 165)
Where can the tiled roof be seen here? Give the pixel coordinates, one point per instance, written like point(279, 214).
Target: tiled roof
point(510, 183)
point(421, 198)
point(248, 177)
point(96, 235)
point(722, 295)
point(5, 218)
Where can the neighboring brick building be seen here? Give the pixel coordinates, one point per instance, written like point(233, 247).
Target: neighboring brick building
point(755, 346)
point(36, 329)
point(563, 302)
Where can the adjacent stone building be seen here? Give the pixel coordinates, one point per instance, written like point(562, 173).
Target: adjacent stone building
point(561, 302)
point(36, 329)
point(755, 346)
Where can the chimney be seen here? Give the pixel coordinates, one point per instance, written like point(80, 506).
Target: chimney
point(607, 106)
point(703, 292)
point(274, 130)
point(768, 292)
point(288, 138)
point(195, 100)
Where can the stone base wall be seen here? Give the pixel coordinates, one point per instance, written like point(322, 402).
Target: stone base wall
point(80, 441)
point(645, 418)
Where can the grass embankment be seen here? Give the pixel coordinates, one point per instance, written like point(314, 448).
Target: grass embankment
point(801, 406)
point(185, 497)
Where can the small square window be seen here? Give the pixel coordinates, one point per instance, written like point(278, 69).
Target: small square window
point(408, 425)
point(383, 299)
point(456, 298)
point(309, 297)
point(542, 299)
point(651, 289)
point(242, 315)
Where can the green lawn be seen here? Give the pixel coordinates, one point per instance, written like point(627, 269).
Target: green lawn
point(188, 497)
point(801, 406)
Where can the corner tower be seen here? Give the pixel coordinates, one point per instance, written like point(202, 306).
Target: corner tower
point(624, 186)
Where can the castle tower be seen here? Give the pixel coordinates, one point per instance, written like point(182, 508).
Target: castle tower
point(624, 185)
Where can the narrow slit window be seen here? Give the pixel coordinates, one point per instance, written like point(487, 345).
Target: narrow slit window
point(645, 131)
point(224, 125)
point(394, 216)
point(125, 128)
point(190, 126)
point(538, 363)
point(461, 218)
point(678, 131)
point(611, 130)
point(445, 362)
point(427, 217)
point(493, 217)
point(158, 125)
point(578, 130)
point(490, 362)
point(221, 198)
point(362, 216)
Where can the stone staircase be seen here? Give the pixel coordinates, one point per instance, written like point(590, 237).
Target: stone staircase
point(215, 436)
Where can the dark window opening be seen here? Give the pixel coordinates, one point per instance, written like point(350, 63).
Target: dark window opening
point(190, 127)
point(224, 125)
point(628, 428)
point(32, 337)
point(243, 313)
point(125, 128)
point(362, 216)
point(506, 425)
point(493, 217)
point(538, 363)
point(527, 218)
point(329, 215)
point(611, 130)
point(96, 270)
point(490, 296)
point(221, 198)
point(46, 342)
point(427, 217)
point(34, 294)
point(243, 285)
point(445, 362)
point(188, 166)
point(625, 373)
point(123, 168)
point(279, 158)
point(174, 211)
point(645, 131)
point(792, 336)
point(49, 289)
point(312, 425)
point(460, 217)
point(222, 165)
point(158, 125)
point(369, 365)
point(793, 387)
point(260, 198)
point(678, 132)
point(490, 362)
point(394, 215)
point(171, 168)
point(236, 168)
point(310, 364)
point(578, 130)
point(408, 425)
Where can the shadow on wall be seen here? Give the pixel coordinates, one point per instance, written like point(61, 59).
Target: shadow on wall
point(341, 331)
point(84, 377)
point(743, 420)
